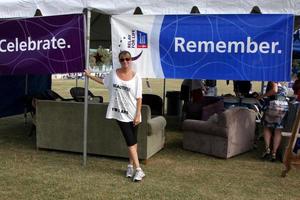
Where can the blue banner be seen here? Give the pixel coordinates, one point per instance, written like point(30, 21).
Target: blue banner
point(233, 47)
point(296, 43)
point(223, 47)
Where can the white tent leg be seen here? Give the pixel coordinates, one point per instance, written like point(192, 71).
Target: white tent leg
point(86, 84)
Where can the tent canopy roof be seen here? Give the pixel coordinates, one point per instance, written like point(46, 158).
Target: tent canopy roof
point(27, 8)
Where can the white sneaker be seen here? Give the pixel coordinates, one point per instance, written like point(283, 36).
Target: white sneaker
point(130, 171)
point(139, 175)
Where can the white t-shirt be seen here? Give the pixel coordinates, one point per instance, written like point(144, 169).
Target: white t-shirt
point(122, 96)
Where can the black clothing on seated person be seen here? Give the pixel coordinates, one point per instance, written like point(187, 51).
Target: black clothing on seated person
point(242, 88)
point(210, 83)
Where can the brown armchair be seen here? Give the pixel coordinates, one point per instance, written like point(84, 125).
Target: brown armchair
point(204, 109)
point(224, 135)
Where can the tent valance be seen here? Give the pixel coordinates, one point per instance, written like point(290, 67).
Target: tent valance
point(27, 8)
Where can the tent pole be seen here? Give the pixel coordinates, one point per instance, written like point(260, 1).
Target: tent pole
point(26, 93)
point(86, 83)
point(76, 80)
point(262, 87)
point(164, 96)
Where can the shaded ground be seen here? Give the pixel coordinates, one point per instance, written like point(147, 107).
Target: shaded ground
point(173, 173)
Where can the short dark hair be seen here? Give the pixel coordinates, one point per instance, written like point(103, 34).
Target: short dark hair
point(124, 53)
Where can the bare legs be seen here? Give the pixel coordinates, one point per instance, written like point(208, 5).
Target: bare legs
point(267, 136)
point(133, 156)
point(276, 139)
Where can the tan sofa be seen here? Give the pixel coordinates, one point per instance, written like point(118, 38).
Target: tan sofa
point(224, 135)
point(59, 126)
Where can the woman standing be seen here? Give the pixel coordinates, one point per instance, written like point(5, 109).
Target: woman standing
point(273, 117)
point(296, 87)
point(125, 102)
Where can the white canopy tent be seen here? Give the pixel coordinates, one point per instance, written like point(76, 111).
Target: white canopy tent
point(28, 8)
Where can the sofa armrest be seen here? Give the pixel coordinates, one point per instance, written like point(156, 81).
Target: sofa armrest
point(156, 124)
point(204, 127)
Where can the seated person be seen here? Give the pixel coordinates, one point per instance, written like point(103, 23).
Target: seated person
point(295, 69)
point(196, 88)
point(296, 87)
point(242, 88)
point(211, 87)
point(273, 118)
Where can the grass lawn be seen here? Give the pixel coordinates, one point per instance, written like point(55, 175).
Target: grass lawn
point(173, 173)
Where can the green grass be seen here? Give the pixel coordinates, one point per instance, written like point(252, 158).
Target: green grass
point(173, 173)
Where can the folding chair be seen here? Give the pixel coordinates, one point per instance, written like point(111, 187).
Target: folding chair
point(78, 94)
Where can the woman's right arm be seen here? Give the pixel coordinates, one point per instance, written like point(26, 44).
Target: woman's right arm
point(272, 91)
point(87, 73)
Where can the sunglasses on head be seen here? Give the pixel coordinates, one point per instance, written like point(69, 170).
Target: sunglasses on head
point(123, 59)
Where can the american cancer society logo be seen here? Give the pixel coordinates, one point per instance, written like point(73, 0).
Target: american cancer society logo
point(135, 39)
point(142, 41)
point(135, 42)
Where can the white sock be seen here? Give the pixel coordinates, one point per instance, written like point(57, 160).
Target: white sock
point(138, 168)
point(129, 165)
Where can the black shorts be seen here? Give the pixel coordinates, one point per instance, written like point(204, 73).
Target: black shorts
point(129, 132)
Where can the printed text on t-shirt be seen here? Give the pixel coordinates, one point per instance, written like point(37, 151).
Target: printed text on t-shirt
point(122, 87)
point(118, 110)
